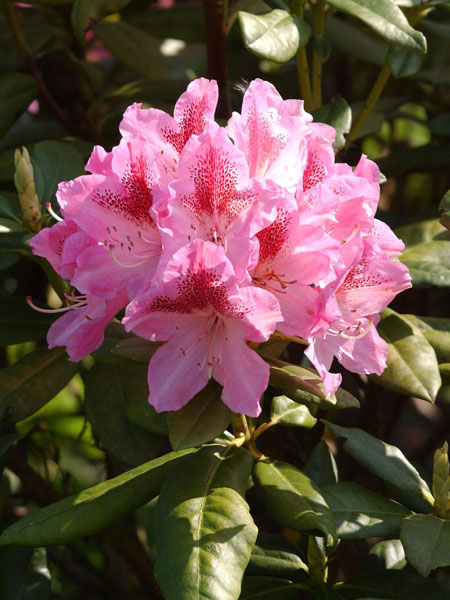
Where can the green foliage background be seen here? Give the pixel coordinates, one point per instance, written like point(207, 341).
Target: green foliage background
point(329, 498)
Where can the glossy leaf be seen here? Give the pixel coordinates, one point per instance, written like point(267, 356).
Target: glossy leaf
point(388, 554)
point(94, 508)
point(403, 63)
point(292, 499)
point(109, 389)
point(133, 47)
point(268, 588)
point(20, 323)
point(86, 11)
point(437, 332)
point(321, 466)
point(338, 114)
point(17, 90)
point(143, 415)
point(275, 36)
point(412, 366)
point(429, 262)
point(387, 462)
point(272, 555)
point(386, 19)
point(285, 411)
point(24, 574)
point(202, 507)
point(54, 161)
point(202, 419)
point(33, 381)
point(426, 539)
point(360, 513)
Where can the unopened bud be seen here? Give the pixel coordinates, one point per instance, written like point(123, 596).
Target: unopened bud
point(24, 182)
point(441, 482)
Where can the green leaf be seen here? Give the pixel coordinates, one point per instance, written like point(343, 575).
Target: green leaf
point(143, 415)
point(109, 390)
point(419, 233)
point(54, 161)
point(17, 90)
point(33, 381)
point(429, 157)
point(386, 19)
point(202, 507)
point(285, 411)
point(6, 441)
point(202, 419)
point(184, 21)
point(403, 63)
point(412, 367)
point(24, 574)
point(388, 554)
point(426, 540)
point(360, 513)
point(444, 205)
point(392, 585)
point(305, 386)
point(10, 208)
point(429, 262)
point(321, 466)
point(387, 462)
point(437, 332)
point(338, 114)
point(20, 323)
point(133, 47)
point(10, 225)
point(292, 499)
point(275, 36)
point(92, 509)
point(136, 348)
point(84, 11)
point(268, 588)
point(350, 39)
point(273, 556)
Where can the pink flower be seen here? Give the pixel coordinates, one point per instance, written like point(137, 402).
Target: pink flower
point(271, 132)
point(214, 199)
point(196, 306)
point(361, 292)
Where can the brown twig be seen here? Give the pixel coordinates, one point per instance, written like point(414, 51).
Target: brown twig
point(216, 36)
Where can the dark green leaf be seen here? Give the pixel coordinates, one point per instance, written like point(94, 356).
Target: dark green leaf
point(273, 556)
point(136, 348)
point(202, 507)
point(352, 40)
point(426, 539)
point(440, 125)
point(321, 466)
point(388, 554)
point(109, 390)
point(132, 46)
point(17, 90)
point(360, 513)
point(24, 574)
point(429, 157)
point(386, 19)
point(444, 206)
point(92, 509)
point(338, 114)
point(412, 366)
point(285, 411)
point(10, 208)
point(20, 323)
point(33, 381)
point(8, 225)
point(85, 11)
point(268, 588)
point(114, 334)
point(202, 419)
point(387, 462)
point(54, 161)
point(292, 499)
point(429, 262)
point(437, 332)
point(184, 21)
point(275, 36)
point(403, 63)
point(393, 585)
point(6, 440)
point(143, 415)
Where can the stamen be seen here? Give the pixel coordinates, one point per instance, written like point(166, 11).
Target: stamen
point(54, 310)
point(49, 208)
point(353, 337)
point(351, 236)
point(121, 264)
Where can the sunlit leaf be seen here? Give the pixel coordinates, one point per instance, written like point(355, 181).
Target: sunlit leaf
point(285, 411)
point(426, 539)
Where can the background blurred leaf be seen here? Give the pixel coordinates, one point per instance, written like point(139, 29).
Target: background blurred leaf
point(338, 114)
point(20, 323)
point(17, 90)
point(84, 12)
point(266, 588)
point(24, 574)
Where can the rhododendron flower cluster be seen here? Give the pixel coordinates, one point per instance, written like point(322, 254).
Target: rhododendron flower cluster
point(213, 238)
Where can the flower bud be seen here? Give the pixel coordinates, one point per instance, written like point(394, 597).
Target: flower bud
point(24, 182)
point(441, 482)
